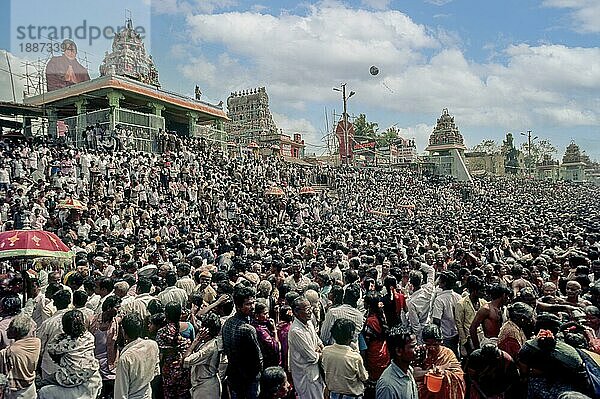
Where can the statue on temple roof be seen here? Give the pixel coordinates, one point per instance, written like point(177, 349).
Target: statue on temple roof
point(511, 155)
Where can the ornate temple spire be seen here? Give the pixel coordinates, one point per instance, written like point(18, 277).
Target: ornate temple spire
point(129, 58)
point(248, 111)
point(446, 148)
point(446, 132)
point(573, 154)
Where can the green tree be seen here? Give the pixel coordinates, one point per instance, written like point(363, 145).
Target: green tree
point(388, 137)
point(363, 129)
point(540, 149)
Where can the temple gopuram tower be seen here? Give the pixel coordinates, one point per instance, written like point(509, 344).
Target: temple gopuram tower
point(447, 148)
point(251, 126)
point(129, 58)
point(250, 116)
point(574, 163)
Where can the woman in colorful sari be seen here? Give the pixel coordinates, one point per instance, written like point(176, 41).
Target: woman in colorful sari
point(283, 328)
point(173, 341)
point(513, 333)
point(78, 375)
point(374, 331)
point(442, 360)
point(267, 335)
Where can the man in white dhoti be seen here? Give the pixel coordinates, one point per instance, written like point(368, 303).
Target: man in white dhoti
point(304, 352)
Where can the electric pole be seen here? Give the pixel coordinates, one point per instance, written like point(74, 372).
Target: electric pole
point(529, 140)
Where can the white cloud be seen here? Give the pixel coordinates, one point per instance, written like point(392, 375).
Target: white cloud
point(585, 14)
point(569, 68)
point(190, 6)
point(569, 115)
point(543, 77)
point(325, 35)
point(299, 58)
point(180, 50)
point(311, 136)
point(200, 69)
point(419, 132)
point(377, 4)
point(225, 69)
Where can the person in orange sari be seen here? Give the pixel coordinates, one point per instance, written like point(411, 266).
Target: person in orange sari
point(444, 361)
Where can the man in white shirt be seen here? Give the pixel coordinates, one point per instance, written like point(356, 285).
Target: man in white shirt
point(83, 229)
point(335, 273)
point(419, 304)
point(93, 301)
point(185, 282)
point(172, 293)
point(138, 362)
point(38, 221)
point(443, 310)
point(139, 304)
point(50, 329)
point(296, 280)
point(345, 373)
point(348, 310)
point(4, 178)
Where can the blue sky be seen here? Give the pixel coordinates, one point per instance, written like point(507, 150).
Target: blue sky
point(498, 66)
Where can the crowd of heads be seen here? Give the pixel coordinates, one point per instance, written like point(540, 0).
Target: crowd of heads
point(152, 220)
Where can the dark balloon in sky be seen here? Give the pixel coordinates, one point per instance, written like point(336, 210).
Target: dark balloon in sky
point(374, 70)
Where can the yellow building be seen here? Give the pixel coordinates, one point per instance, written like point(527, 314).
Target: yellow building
point(482, 163)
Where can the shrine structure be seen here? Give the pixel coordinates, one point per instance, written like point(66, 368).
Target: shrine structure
point(447, 149)
point(129, 58)
point(548, 168)
point(249, 115)
point(251, 125)
point(574, 163)
point(127, 97)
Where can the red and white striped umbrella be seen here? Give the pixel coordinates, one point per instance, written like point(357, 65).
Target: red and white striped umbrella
point(71, 203)
point(276, 191)
point(307, 191)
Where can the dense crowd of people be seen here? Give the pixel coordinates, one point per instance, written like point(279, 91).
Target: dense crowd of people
point(189, 281)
